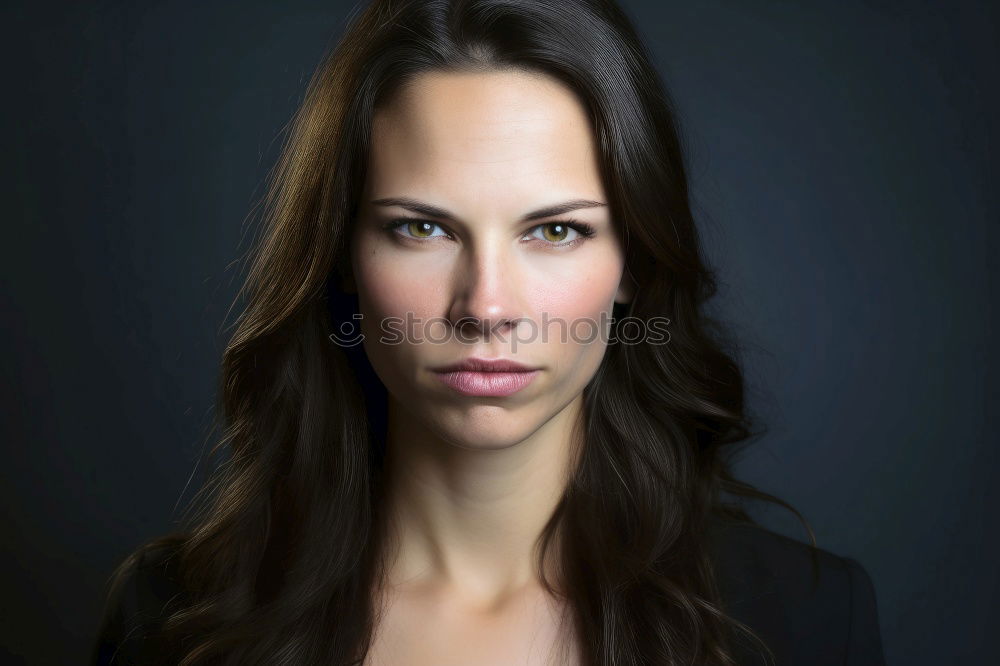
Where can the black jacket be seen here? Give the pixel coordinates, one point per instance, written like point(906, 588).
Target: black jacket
point(766, 580)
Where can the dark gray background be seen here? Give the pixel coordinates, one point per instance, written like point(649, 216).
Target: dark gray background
point(843, 166)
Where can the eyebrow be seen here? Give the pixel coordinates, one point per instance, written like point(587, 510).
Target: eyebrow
point(422, 208)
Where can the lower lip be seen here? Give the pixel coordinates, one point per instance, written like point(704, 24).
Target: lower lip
point(492, 384)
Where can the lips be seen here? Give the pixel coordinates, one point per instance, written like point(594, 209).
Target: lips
point(486, 365)
point(487, 377)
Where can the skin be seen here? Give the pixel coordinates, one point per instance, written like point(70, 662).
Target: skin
point(473, 480)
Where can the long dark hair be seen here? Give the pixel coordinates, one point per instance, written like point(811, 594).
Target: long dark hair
point(283, 546)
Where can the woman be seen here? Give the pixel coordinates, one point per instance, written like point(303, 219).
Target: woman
point(514, 459)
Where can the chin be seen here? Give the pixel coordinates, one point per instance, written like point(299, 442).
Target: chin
point(486, 433)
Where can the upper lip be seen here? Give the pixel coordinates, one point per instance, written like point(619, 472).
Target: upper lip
point(485, 365)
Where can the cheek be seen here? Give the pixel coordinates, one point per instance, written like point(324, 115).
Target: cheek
point(583, 291)
point(576, 305)
point(392, 291)
point(391, 285)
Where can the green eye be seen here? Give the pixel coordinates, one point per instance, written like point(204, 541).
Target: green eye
point(421, 229)
point(556, 233)
point(559, 231)
point(415, 229)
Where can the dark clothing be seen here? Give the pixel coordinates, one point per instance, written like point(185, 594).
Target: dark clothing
point(765, 580)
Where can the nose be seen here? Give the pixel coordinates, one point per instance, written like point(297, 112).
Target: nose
point(486, 296)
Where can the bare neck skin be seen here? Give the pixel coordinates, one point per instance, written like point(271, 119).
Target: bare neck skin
point(465, 521)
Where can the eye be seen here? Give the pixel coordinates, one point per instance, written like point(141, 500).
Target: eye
point(556, 233)
point(419, 229)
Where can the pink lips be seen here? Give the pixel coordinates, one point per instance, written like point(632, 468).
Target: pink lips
point(486, 377)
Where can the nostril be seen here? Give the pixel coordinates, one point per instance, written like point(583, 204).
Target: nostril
point(485, 327)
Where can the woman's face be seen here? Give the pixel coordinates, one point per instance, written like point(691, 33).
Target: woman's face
point(475, 278)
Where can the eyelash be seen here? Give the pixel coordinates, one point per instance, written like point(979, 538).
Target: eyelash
point(584, 230)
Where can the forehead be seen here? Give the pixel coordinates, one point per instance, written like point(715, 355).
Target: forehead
point(464, 137)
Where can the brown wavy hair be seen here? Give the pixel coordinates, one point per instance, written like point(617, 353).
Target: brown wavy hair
point(282, 547)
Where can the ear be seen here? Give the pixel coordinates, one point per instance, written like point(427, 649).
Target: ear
point(626, 288)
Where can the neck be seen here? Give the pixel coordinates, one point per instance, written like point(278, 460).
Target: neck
point(466, 519)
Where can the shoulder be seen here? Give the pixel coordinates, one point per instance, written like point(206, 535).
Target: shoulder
point(138, 601)
point(816, 610)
